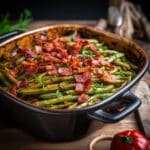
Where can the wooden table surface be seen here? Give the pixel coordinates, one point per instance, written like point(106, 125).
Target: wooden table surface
point(13, 138)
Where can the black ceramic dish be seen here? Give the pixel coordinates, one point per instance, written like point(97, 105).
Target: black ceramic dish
point(66, 125)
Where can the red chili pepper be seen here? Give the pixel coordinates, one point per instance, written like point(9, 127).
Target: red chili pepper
point(130, 140)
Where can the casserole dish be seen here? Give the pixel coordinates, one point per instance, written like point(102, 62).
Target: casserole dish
point(65, 125)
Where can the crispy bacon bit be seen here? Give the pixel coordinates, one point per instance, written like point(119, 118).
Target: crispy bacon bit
point(64, 71)
point(58, 44)
point(62, 39)
point(74, 62)
point(13, 90)
point(78, 46)
point(79, 87)
point(76, 38)
point(95, 62)
point(104, 62)
point(92, 47)
point(29, 54)
point(85, 79)
point(48, 58)
point(48, 46)
point(52, 70)
point(29, 67)
point(98, 61)
point(97, 71)
point(43, 37)
point(107, 77)
point(38, 49)
point(22, 84)
point(83, 69)
point(14, 72)
point(83, 98)
point(80, 78)
point(62, 53)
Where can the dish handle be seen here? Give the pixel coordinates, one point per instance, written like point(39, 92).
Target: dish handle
point(9, 35)
point(118, 110)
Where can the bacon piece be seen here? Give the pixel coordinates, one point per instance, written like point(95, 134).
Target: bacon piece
point(13, 90)
point(38, 49)
point(88, 84)
point(84, 79)
point(79, 87)
point(92, 47)
point(82, 69)
point(63, 39)
point(78, 46)
point(48, 58)
point(95, 62)
point(74, 62)
point(64, 71)
point(14, 72)
point(76, 38)
point(83, 98)
point(52, 70)
point(44, 37)
point(97, 71)
point(104, 62)
point(80, 78)
point(58, 44)
point(98, 61)
point(22, 84)
point(108, 78)
point(29, 67)
point(29, 54)
point(48, 46)
point(61, 53)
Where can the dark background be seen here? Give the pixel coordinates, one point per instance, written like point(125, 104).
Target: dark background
point(62, 9)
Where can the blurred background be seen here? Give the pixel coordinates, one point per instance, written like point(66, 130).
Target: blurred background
point(63, 9)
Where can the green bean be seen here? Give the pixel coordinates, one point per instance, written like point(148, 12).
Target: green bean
point(122, 64)
point(71, 37)
point(9, 76)
point(48, 95)
point(21, 77)
point(20, 60)
point(50, 102)
point(104, 89)
point(72, 106)
point(37, 91)
point(51, 95)
point(114, 57)
point(73, 92)
point(93, 98)
point(133, 66)
point(4, 80)
point(120, 87)
point(52, 80)
point(101, 51)
point(60, 106)
point(124, 73)
point(66, 85)
point(49, 88)
point(93, 41)
point(99, 80)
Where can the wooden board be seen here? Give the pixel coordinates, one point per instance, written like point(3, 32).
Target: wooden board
point(142, 90)
point(13, 138)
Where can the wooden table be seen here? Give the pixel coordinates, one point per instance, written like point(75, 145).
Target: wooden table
point(13, 138)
